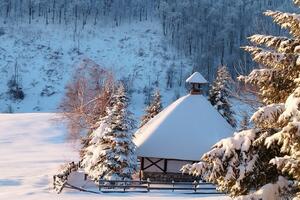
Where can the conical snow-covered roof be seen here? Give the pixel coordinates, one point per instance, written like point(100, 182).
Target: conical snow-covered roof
point(196, 78)
point(184, 130)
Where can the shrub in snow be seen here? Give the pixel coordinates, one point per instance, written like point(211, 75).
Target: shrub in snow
point(219, 94)
point(266, 158)
point(153, 109)
point(48, 91)
point(15, 90)
point(110, 152)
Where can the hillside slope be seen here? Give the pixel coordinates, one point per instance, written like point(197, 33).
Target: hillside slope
point(47, 55)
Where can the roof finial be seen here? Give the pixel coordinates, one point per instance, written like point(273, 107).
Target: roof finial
point(196, 80)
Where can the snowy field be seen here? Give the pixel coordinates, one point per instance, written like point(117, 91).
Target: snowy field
point(33, 146)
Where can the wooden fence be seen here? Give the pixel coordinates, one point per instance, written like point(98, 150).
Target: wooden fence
point(147, 186)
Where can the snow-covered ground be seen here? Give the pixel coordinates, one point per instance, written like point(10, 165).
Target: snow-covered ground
point(47, 56)
point(33, 146)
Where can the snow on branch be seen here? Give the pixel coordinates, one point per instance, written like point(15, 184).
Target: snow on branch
point(225, 147)
point(289, 21)
point(281, 44)
point(268, 191)
point(271, 59)
point(297, 2)
point(258, 75)
point(220, 164)
point(291, 107)
point(290, 118)
point(287, 164)
point(288, 137)
point(267, 116)
point(291, 132)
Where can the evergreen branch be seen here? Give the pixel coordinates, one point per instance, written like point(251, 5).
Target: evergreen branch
point(280, 44)
point(272, 59)
point(297, 2)
point(290, 21)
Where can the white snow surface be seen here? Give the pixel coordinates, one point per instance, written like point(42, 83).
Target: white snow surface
point(32, 148)
point(269, 191)
point(185, 130)
point(196, 77)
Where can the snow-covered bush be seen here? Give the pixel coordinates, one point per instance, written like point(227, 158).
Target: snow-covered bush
point(267, 157)
point(110, 152)
point(15, 90)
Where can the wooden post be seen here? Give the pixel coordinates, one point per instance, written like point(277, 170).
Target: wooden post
point(54, 180)
point(142, 168)
point(195, 183)
point(148, 184)
point(165, 165)
point(100, 184)
point(173, 183)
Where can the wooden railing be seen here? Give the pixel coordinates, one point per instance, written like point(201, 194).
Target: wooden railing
point(147, 186)
point(60, 179)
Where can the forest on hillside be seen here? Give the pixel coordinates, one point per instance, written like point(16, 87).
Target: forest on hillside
point(209, 32)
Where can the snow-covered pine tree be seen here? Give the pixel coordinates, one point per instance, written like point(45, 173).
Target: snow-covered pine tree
point(102, 103)
point(219, 94)
point(153, 109)
point(266, 157)
point(110, 154)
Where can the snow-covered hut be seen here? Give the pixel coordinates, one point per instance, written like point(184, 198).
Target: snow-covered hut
point(179, 134)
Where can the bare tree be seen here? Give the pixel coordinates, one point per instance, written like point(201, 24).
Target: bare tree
point(86, 98)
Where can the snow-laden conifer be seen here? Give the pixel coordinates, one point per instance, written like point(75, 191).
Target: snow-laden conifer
point(219, 95)
point(153, 109)
point(267, 157)
point(110, 154)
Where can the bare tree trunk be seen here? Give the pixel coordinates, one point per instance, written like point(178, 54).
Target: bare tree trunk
point(96, 16)
point(53, 11)
point(29, 11)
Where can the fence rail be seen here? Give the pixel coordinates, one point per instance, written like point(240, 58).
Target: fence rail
point(147, 186)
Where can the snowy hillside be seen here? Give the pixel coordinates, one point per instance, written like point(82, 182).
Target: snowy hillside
point(47, 55)
point(29, 157)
